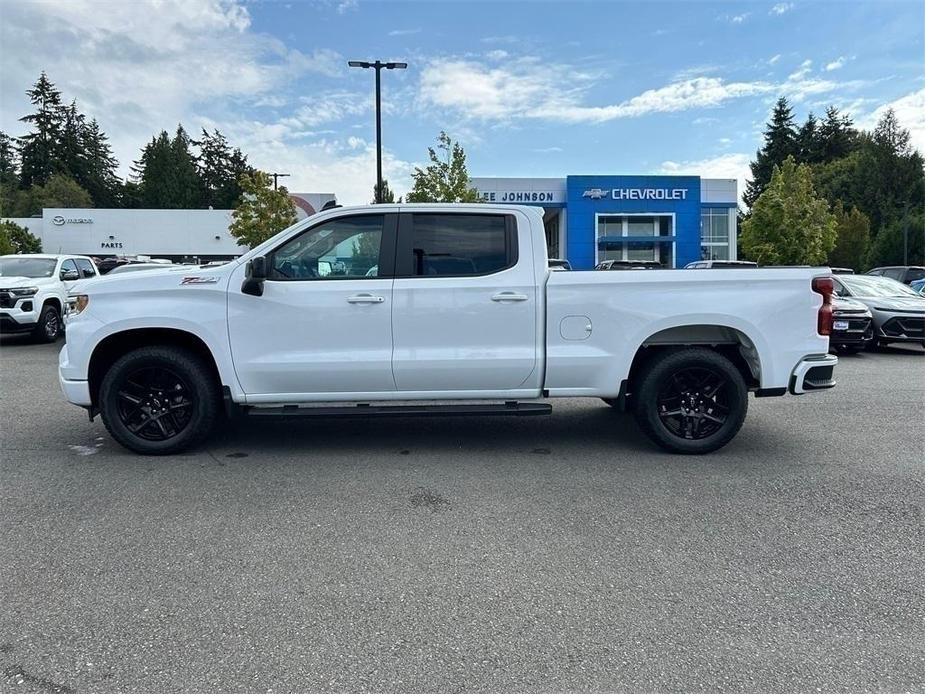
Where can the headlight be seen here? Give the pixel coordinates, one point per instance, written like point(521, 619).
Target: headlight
point(25, 291)
point(76, 304)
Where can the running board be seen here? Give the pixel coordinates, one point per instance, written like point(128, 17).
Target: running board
point(510, 409)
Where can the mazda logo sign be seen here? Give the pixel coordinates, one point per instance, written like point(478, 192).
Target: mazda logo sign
point(57, 220)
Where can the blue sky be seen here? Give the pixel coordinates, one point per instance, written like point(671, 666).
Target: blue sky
point(530, 89)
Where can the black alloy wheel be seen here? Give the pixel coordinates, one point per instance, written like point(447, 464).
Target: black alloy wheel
point(155, 403)
point(693, 404)
point(690, 400)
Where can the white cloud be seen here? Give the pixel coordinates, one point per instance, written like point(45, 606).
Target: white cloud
point(732, 165)
point(781, 8)
point(773, 59)
point(804, 69)
point(497, 54)
point(139, 67)
point(527, 88)
point(346, 5)
point(404, 32)
point(739, 18)
point(910, 111)
point(836, 64)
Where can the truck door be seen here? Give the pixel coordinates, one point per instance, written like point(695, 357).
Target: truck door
point(323, 323)
point(465, 303)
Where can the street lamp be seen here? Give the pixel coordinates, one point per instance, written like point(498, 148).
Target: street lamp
point(377, 66)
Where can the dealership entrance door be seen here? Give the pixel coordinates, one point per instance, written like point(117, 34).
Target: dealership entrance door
point(636, 237)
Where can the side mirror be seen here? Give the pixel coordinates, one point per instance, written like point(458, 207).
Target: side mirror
point(69, 275)
point(254, 275)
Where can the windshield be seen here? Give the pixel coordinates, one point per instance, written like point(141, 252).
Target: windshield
point(875, 286)
point(27, 267)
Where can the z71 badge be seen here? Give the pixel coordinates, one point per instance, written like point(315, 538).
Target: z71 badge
point(199, 280)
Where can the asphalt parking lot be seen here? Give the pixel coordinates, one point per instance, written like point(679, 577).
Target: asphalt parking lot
point(549, 554)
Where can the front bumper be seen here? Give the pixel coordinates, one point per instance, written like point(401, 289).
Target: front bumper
point(815, 372)
point(902, 329)
point(15, 320)
point(76, 392)
point(860, 331)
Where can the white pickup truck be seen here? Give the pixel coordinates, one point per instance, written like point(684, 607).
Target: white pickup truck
point(34, 290)
point(438, 309)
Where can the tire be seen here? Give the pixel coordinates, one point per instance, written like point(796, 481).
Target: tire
point(48, 328)
point(613, 402)
point(709, 409)
point(848, 349)
point(159, 400)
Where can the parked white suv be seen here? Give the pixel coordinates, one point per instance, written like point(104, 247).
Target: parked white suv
point(34, 290)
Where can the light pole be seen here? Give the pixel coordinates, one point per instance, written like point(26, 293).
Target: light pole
point(275, 176)
point(377, 66)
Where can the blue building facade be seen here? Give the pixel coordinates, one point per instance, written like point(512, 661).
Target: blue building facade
point(673, 220)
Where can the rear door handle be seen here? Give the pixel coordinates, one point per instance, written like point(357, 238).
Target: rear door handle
point(365, 299)
point(509, 296)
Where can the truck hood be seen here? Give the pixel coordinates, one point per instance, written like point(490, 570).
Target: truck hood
point(172, 276)
point(14, 282)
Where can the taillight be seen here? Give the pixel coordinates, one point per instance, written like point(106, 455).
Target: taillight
point(826, 287)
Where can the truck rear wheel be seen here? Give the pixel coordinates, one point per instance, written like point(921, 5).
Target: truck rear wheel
point(691, 401)
point(159, 400)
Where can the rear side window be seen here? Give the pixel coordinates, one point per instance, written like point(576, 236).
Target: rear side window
point(85, 267)
point(895, 273)
point(914, 273)
point(457, 245)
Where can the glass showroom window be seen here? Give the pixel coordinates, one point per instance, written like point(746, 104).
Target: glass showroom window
point(714, 234)
point(623, 237)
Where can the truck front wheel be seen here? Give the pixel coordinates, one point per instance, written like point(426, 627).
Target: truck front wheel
point(159, 400)
point(691, 401)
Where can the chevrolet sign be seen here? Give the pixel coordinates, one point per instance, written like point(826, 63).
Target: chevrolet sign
point(636, 194)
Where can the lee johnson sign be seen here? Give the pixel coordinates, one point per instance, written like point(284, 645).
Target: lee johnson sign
point(519, 196)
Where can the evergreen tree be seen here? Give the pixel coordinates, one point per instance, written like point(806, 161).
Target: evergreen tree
point(853, 238)
point(220, 169)
point(187, 182)
point(69, 156)
point(102, 181)
point(446, 179)
point(788, 224)
point(387, 194)
point(809, 141)
point(780, 142)
point(9, 172)
point(37, 149)
point(837, 134)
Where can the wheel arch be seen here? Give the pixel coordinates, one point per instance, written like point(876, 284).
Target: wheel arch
point(730, 341)
point(56, 302)
point(113, 346)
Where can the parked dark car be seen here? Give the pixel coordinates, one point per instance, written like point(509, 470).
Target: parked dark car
point(629, 265)
point(718, 264)
point(841, 271)
point(900, 273)
point(898, 312)
point(852, 326)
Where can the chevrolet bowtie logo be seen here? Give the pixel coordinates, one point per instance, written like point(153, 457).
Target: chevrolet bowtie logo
point(595, 193)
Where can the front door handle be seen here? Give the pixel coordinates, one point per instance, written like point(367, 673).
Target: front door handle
point(365, 299)
point(509, 296)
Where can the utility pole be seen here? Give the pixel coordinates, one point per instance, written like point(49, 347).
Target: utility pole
point(377, 66)
point(276, 176)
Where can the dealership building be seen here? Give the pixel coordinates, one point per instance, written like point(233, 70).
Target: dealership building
point(179, 235)
point(673, 220)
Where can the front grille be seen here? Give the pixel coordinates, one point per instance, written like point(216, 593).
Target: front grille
point(7, 300)
point(913, 328)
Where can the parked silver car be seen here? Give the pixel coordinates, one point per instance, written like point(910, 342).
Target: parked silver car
point(898, 312)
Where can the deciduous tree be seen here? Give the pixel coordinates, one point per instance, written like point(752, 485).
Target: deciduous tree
point(446, 178)
point(788, 224)
point(17, 239)
point(853, 238)
point(262, 211)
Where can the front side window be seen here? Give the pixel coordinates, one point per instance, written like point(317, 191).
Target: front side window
point(85, 267)
point(344, 248)
point(453, 245)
